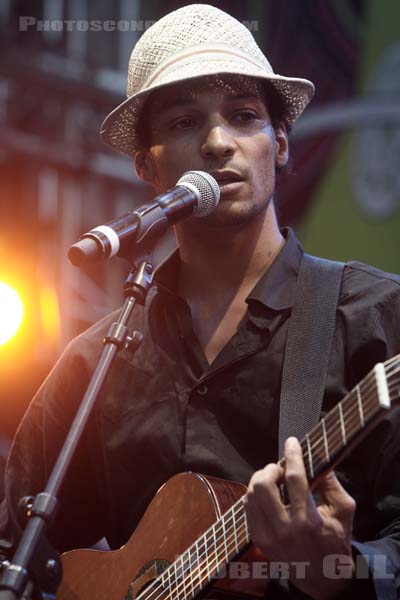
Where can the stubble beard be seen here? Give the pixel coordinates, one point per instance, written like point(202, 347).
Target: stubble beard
point(233, 213)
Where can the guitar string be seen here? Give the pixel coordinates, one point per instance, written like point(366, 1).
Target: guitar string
point(394, 359)
point(316, 429)
point(203, 565)
point(335, 435)
point(317, 458)
point(202, 576)
point(220, 557)
point(240, 527)
point(234, 506)
point(350, 416)
point(391, 370)
point(389, 362)
point(319, 442)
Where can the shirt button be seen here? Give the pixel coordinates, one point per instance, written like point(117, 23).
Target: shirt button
point(202, 389)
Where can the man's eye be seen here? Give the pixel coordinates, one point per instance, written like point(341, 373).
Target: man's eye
point(184, 123)
point(245, 116)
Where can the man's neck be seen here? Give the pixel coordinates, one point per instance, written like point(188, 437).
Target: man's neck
point(218, 271)
point(217, 262)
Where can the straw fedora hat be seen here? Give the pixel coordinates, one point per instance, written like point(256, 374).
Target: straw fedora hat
point(194, 41)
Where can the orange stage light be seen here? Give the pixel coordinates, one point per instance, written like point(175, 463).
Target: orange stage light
point(11, 312)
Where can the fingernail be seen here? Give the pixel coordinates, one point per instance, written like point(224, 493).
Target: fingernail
point(291, 443)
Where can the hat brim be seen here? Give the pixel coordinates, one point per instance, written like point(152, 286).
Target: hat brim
point(119, 129)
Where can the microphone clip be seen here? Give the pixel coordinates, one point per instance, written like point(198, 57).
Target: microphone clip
point(152, 223)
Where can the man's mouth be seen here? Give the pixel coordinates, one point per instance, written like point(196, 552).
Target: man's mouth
point(226, 177)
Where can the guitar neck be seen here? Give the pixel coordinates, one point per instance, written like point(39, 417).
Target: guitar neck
point(322, 447)
point(344, 426)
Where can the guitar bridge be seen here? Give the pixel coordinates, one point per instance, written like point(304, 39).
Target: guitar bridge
point(148, 573)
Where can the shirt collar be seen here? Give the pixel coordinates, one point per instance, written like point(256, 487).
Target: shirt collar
point(276, 287)
point(167, 274)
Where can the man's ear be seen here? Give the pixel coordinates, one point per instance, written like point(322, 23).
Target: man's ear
point(145, 167)
point(281, 146)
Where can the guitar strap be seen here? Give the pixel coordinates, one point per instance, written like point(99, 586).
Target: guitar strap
point(308, 346)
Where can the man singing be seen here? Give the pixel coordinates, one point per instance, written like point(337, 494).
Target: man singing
point(202, 392)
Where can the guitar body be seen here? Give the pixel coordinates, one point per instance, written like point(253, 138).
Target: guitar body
point(181, 511)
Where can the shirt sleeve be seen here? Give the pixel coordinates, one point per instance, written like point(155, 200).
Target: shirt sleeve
point(380, 549)
point(81, 516)
point(371, 474)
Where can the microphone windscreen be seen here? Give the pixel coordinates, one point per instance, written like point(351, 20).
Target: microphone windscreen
point(207, 190)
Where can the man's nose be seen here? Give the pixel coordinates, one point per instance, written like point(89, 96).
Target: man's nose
point(218, 141)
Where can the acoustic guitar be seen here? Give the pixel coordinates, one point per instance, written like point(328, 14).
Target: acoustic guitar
point(195, 527)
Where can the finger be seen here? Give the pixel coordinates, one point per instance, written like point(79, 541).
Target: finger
point(266, 515)
point(296, 478)
point(335, 496)
point(263, 490)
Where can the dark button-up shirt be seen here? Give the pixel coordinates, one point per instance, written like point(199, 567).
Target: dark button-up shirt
point(166, 410)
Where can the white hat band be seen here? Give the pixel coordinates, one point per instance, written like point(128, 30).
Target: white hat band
point(207, 53)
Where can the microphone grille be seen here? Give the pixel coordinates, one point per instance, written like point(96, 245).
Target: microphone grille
point(207, 190)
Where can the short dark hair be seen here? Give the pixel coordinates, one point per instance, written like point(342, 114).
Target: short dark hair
point(143, 128)
point(275, 105)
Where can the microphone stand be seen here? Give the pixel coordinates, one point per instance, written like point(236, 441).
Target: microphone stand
point(34, 556)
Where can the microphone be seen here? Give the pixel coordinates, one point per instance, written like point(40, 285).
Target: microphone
point(196, 193)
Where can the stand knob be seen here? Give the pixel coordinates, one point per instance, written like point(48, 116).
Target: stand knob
point(133, 341)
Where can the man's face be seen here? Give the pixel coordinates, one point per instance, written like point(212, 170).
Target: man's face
point(221, 127)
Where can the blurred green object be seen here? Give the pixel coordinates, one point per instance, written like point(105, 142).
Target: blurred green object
point(356, 211)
